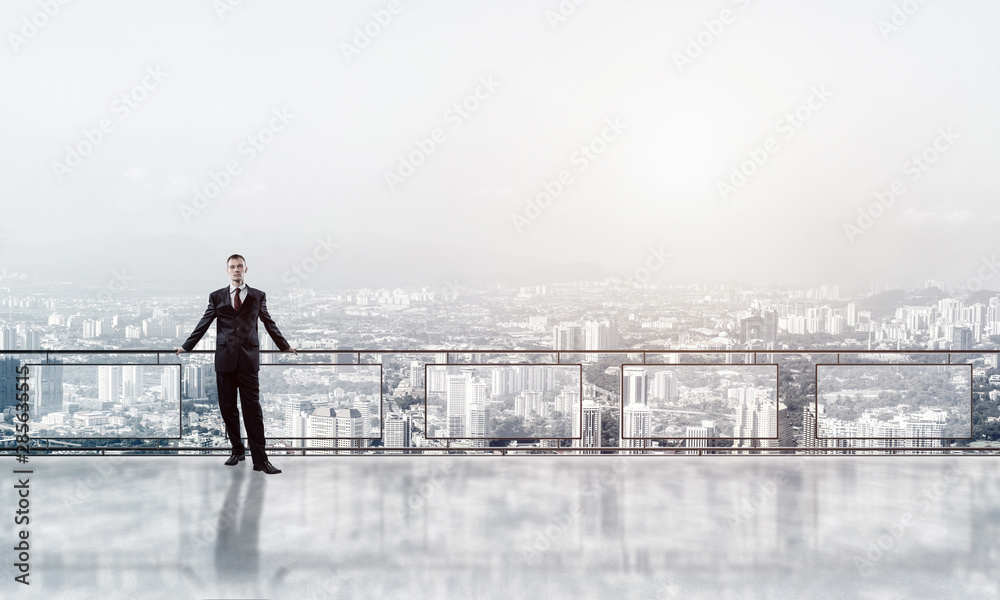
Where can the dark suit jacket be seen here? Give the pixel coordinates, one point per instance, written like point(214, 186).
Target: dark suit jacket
point(236, 332)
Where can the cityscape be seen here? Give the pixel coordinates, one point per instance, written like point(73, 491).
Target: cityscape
point(607, 364)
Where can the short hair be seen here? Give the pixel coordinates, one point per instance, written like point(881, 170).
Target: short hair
point(239, 256)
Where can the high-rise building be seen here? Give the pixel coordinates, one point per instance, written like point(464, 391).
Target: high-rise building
point(478, 419)
point(397, 433)
point(267, 344)
point(339, 424)
point(194, 381)
point(364, 409)
point(297, 411)
point(636, 427)
point(45, 389)
point(664, 386)
point(600, 335)
point(528, 402)
point(568, 336)
point(170, 386)
point(437, 380)
point(751, 328)
point(8, 338)
point(762, 423)
point(31, 340)
point(349, 425)
point(588, 428)
point(109, 383)
point(809, 439)
point(502, 382)
point(700, 436)
point(131, 381)
point(633, 385)
point(456, 405)
point(567, 401)
point(8, 382)
point(320, 423)
point(416, 372)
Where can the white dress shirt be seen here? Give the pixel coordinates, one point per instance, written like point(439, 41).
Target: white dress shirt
point(232, 294)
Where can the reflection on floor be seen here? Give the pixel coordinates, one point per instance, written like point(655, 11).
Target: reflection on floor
point(649, 527)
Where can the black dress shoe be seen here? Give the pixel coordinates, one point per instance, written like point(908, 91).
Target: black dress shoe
point(267, 467)
point(233, 459)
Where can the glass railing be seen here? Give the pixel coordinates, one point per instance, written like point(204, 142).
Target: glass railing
point(688, 402)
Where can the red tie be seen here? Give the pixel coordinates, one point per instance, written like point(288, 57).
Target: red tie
point(238, 303)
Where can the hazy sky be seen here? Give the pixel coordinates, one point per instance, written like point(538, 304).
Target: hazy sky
point(197, 85)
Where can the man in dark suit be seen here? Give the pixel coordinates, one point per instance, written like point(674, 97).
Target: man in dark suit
point(237, 359)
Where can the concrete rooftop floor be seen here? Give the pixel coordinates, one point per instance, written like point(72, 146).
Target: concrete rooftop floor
point(483, 527)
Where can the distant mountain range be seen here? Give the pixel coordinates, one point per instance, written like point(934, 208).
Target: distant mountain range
point(278, 260)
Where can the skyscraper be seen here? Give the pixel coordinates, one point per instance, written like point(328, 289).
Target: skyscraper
point(349, 424)
point(364, 409)
point(588, 428)
point(600, 335)
point(45, 389)
point(31, 340)
point(194, 381)
point(477, 422)
point(132, 381)
point(696, 435)
point(267, 344)
point(664, 386)
point(637, 427)
point(170, 385)
point(297, 411)
point(456, 405)
point(416, 374)
point(397, 433)
point(568, 336)
point(109, 383)
point(567, 401)
point(8, 338)
point(8, 381)
point(633, 385)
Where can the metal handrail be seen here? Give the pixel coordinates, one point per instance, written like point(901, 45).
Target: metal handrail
point(571, 450)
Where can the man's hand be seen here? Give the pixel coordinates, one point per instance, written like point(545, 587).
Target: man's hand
point(179, 350)
point(292, 350)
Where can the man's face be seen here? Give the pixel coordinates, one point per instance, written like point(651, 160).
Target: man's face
point(236, 269)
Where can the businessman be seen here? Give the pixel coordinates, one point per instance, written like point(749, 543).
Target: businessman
point(237, 359)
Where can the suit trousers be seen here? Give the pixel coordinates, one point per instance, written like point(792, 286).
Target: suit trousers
point(248, 385)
